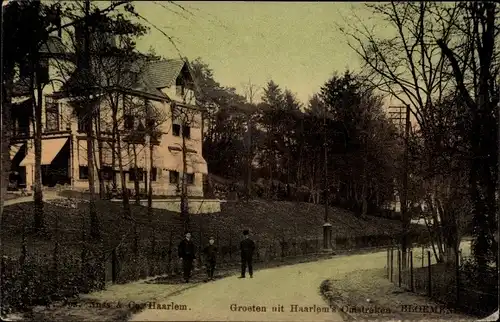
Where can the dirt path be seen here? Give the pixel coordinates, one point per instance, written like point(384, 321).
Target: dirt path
point(286, 286)
point(47, 195)
point(277, 287)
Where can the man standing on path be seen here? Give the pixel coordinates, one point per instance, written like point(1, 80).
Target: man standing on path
point(187, 255)
point(210, 254)
point(247, 247)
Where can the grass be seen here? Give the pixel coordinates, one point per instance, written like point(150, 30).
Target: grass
point(67, 223)
point(157, 289)
point(478, 300)
point(267, 220)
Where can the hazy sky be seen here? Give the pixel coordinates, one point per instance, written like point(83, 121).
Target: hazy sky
point(297, 44)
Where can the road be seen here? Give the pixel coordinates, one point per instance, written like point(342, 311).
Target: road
point(282, 286)
point(47, 195)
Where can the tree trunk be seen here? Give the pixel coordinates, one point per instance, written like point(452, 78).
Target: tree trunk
point(99, 164)
point(113, 164)
point(38, 194)
point(136, 177)
point(5, 156)
point(150, 183)
point(249, 158)
point(184, 195)
point(364, 201)
point(118, 145)
point(89, 115)
point(94, 220)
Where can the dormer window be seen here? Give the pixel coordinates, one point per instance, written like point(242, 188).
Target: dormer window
point(179, 90)
point(180, 87)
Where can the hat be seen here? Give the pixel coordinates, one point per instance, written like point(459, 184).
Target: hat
point(211, 237)
point(245, 232)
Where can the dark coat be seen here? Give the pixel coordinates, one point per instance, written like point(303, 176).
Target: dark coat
point(210, 253)
point(187, 249)
point(247, 247)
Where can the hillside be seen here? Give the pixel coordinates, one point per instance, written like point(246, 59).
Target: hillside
point(269, 221)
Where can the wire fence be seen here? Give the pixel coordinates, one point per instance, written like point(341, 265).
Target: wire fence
point(66, 261)
point(38, 271)
point(455, 284)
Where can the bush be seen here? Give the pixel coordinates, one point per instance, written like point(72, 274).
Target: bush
point(303, 194)
point(36, 281)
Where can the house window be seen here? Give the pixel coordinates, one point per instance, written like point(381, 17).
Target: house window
point(179, 90)
point(174, 177)
point(179, 86)
point(131, 174)
point(189, 178)
point(43, 71)
point(128, 122)
point(176, 129)
point(84, 172)
point(154, 172)
point(107, 173)
point(22, 125)
point(52, 114)
point(186, 131)
point(81, 122)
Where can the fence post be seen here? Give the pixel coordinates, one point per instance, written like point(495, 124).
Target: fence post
point(388, 268)
point(230, 247)
point(429, 272)
point(392, 262)
point(114, 266)
point(83, 254)
point(217, 244)
point(457, 276)
point(24, 250)
point(282, 247)
point(169, 253)
point(411, 271)
point(399, 267)
point(200, 248)
point(422, 255)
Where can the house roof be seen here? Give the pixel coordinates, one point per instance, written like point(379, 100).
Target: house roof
point(163, 73)
point(53, 45)
point(141, 76)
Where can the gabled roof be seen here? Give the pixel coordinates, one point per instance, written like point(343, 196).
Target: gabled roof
point(142, 76)
point(54, 45)
point(163, 73)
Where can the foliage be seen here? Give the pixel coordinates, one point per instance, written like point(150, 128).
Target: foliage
point(440, 59)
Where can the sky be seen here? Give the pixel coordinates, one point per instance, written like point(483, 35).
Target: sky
point(296, 44)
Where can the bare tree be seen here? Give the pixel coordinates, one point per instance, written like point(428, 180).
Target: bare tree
point(98, 94)
point(250, 91)
point(475, 69)
point(187, 117)
point(410, 67)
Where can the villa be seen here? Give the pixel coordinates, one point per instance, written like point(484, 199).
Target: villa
point(162, 86)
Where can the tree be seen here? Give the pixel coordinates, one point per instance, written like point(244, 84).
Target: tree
point(410, 67)
point(106, 57)
point(249, 111)
point(222, 122)
point(30, 58)
point(365, 139)
point(187, 117)
point(475, 68)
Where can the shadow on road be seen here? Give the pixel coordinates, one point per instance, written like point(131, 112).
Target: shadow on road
point(197, 277)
